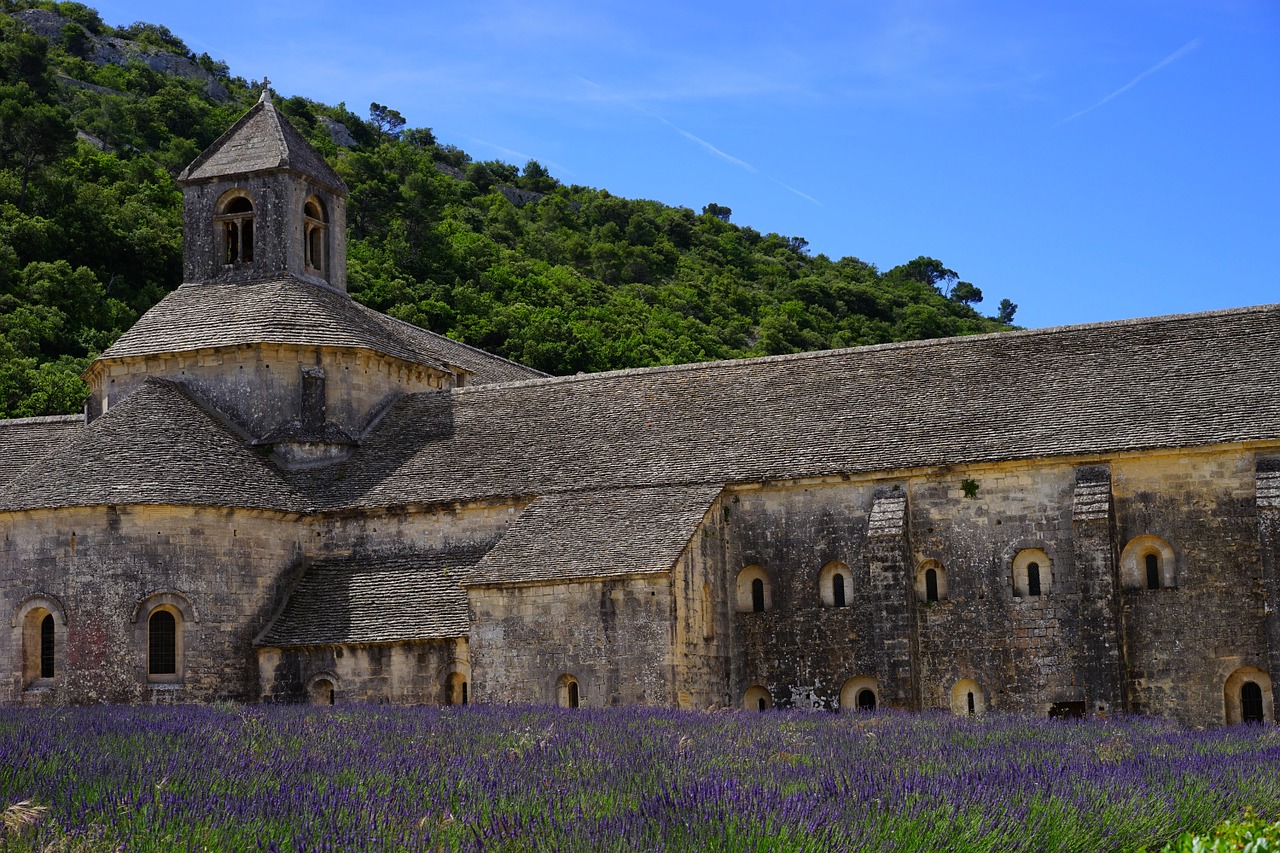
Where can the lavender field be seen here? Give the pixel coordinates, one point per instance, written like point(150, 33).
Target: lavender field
point(488, 778)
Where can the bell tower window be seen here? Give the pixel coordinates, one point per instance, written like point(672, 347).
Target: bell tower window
point(315, 232)
point(235, 231)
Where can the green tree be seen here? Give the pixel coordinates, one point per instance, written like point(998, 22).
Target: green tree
point(32, 132)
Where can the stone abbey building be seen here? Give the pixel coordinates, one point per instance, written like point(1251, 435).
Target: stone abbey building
point(276, 494)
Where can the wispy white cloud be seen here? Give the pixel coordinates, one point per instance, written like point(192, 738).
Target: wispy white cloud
point(606, 94)
point(729, 158)
point(1173, 57)
point(790, 188)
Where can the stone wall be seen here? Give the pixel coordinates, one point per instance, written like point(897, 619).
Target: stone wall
point(103, 569)
point(278, 232)
point(613, 637)
point(1183, 642)
point(410, 673)
point(260, 387)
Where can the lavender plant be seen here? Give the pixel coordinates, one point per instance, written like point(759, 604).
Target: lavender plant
point(537, 778)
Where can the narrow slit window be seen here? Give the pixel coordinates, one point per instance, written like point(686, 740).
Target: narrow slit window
point(757, 596)
point(47, 647)
point(973, 711)
point(1153, 571)
point(1033, 579)
point(162, 644)
point(837, 589)
point(573, 694)
point(931, 585)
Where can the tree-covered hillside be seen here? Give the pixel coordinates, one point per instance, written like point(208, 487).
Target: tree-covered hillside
point(96, 121)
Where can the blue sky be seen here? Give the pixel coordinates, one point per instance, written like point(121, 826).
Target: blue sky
point(1088, 160)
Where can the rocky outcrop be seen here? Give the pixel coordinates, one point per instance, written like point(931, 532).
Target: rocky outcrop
point(109, 50)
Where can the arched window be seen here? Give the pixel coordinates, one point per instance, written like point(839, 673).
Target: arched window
point(1032, 573)
point(1033, 579)
point(861, 693)
point(754, 594)
point(315, 230)
point(567, 693)
point(1148, 562)
point(1247, 696)
point(322, 692)
point(757, 698)
point(835, 584)
point(39, 619)
point(47, 646)
point(162, 643)
point(456, 689)
point(931, 582)
point(967, 699)
point(235, 230)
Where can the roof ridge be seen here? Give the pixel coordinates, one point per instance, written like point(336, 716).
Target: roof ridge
point(419, 329)
point(41, 419)
point(814, 355)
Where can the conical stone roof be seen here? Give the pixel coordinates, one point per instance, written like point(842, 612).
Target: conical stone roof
point(261, 141)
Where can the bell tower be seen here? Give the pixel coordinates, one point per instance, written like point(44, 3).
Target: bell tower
point(260, 204)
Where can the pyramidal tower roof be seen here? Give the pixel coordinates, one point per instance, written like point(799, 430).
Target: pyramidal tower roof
point(261, 141)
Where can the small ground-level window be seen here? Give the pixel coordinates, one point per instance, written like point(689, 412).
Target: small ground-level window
point(860, 693)
point(455, 691)
point(162, 643)
point(757, 698)
point(322, 692)
point(931, 585)
point(967, 699)
point(1066, 710)
point(567, 692)
point(1251, 703)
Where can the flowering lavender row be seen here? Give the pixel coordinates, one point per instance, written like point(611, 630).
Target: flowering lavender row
point(490, 778)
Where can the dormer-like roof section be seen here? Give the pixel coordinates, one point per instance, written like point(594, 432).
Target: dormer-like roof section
point(157, 447)
point(261, 141)
point(288, 311)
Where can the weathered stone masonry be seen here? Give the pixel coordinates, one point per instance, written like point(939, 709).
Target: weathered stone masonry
point(277, 494)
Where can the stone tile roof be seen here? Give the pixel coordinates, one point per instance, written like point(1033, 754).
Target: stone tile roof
point(376, 599)
point(262, 140)
point(596, 535)
point(290, 311)
point(25, 440)
point(156, 447)
point(1168, 382)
